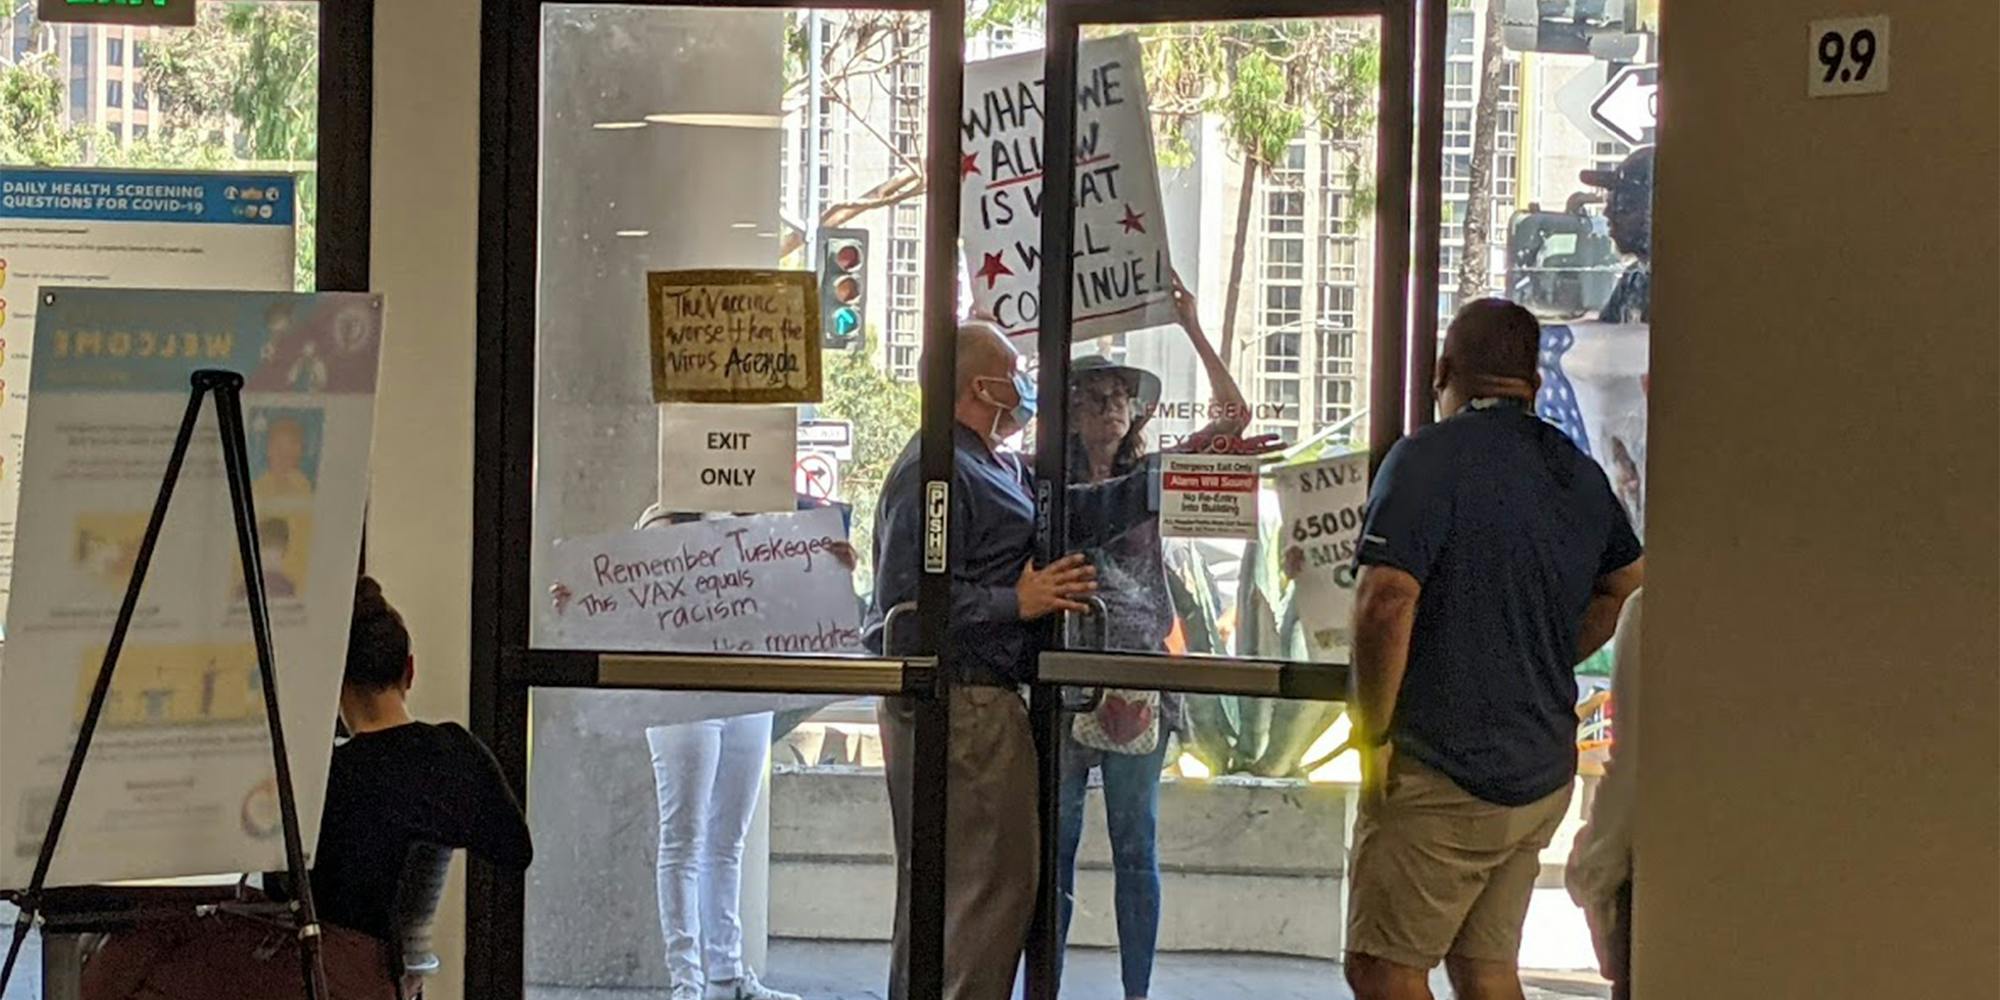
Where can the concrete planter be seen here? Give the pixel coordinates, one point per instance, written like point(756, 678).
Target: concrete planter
point(1247, 865)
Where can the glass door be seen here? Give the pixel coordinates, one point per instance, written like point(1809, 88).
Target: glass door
point(718, 287)
point(1235, 266)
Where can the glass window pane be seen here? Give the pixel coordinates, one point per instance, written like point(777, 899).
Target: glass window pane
point(767, 834)
point(1297, 345)
point(238, 91)
point(1520, 219)
point(661, 154)
point(1242, 802)
point(1159, 844)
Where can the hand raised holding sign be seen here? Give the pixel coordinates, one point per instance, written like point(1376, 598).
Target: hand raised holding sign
point(1224, 434)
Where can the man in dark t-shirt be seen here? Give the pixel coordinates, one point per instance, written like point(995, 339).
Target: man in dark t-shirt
point(1494, 557)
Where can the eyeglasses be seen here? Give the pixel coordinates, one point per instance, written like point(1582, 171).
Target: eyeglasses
point(1108, 399)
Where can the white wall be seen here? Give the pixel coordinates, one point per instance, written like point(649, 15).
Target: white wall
point(426, 160)
point(1820, 810)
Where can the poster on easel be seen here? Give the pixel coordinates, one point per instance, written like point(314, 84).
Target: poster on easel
point(130, 229)
point(179, 779)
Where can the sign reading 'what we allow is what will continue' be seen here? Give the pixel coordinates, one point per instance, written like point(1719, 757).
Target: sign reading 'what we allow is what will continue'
point(734, 336)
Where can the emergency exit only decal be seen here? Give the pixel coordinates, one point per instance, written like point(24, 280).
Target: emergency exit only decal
point(1208, 496)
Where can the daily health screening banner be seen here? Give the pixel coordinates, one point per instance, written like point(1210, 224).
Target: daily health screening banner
point(127, 229)
point(179, 779)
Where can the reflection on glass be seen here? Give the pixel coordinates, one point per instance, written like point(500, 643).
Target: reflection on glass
point(679, 139)
point(716, 844)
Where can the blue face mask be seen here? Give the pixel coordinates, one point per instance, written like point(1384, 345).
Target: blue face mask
point(1022, 412)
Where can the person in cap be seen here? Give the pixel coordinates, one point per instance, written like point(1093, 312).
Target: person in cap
point(1494, 557)
point(1124, 737)
point(1628, 209)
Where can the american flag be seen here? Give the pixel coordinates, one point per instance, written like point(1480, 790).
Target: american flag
point(1556, 403)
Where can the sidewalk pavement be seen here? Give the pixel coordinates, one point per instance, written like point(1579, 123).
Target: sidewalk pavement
point(837, 971)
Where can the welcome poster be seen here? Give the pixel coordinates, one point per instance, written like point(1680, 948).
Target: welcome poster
point(179, 780)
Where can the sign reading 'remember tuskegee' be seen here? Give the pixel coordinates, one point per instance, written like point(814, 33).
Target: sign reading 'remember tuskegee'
point(771, 583)
point(734, 336)
point(1123, 279)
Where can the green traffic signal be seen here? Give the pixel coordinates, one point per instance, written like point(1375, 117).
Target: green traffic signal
point(846, 322)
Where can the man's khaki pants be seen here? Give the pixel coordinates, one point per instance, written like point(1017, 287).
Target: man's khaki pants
point(992, 839)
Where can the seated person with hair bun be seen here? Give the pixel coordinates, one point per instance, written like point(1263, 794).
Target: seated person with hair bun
point(394, 783)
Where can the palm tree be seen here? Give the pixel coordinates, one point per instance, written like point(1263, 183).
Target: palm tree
point(1475, 265)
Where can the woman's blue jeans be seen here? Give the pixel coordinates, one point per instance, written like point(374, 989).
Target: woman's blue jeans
point(1132, 813)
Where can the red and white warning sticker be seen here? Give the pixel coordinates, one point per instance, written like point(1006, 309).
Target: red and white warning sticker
point(1208, 496)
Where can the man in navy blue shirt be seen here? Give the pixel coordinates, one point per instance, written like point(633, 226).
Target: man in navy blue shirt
point(1494, 557)
point(998, 596)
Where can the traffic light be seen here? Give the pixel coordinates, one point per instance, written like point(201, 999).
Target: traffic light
point(843, 286)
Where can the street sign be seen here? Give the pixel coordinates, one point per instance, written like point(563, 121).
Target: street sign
point(816, 475)
point(835, 437)
point(1629, 105)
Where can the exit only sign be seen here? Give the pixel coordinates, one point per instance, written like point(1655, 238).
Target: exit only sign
point(167, 13)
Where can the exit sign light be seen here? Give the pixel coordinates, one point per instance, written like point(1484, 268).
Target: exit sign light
point(165, 13)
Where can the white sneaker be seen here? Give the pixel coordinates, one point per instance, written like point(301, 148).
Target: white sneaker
point(744, 987)
point(686, 991)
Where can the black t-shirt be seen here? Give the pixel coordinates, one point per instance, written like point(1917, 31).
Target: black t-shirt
point(1507, 526)
point(388, 789)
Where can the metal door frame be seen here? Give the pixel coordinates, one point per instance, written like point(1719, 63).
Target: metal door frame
point(505, 666)
point(1409, 153)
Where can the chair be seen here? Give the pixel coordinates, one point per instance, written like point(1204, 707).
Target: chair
point(419, 890)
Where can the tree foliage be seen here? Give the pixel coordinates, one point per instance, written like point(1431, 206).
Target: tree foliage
point(247, 72)
point(239, 90)
point(884, 412)
point(33, 129)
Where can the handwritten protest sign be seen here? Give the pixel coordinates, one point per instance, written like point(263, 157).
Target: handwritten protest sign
point(1208, 496)
point(734, 336)
point(764, 584)
point(1322, 505)
point(1123, 276)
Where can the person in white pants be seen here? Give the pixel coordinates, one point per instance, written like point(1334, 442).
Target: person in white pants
point(707, 775)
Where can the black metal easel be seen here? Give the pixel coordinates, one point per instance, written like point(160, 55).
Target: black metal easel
point(227, 388)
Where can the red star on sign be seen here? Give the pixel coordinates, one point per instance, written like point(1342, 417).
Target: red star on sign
point(1134, 222)
point(968, 164)
point(992, 269)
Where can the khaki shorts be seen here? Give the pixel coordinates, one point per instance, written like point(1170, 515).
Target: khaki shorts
point(1437, 871)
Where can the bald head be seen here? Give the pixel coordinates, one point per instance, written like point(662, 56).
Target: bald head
point(1490, 349)
point(986, 397)
point(983, 352)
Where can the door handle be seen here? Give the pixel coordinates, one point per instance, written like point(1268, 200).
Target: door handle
point(889, 621)
point(1081, 700)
